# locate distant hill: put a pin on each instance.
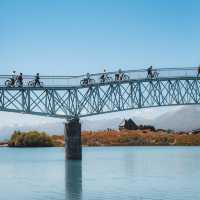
(103, 124)
(182, 118)
(186, 118)
(58, 126)
(50, 128)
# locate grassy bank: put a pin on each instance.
(139, 138)
(107, 138)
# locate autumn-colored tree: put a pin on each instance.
(30, 139)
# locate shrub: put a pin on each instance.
(30, 139)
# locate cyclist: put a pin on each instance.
(13, 77)
(20, 79)
(88, 78)
(88, 75)
(149, 71)
(118, 75)
(37, 79)
(103, 76)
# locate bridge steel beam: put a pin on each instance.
(76, 102)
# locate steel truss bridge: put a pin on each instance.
(63, 96)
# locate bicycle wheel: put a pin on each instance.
(109, 79)
(149, 76)
(82, 82)
(102, 80)
(126, 77)
(8, 83)
(18, 84)
(31, 84)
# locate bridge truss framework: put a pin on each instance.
(72, 102)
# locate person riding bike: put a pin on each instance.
(118, 75)
(88, 76)
(149, 71)
(13, 77)
(20, 79)
(103, 76)
(37, 79)
(87, 80)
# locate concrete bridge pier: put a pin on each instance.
(73, 149)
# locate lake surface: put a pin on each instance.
(107, 173)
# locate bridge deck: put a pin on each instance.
(182, 87)
(74, 81)
(64, 87)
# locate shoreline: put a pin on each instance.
(123, 138)
(3, 144)
(139, 138)
(6, 146)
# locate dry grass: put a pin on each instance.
(138, 138)
(133, 138)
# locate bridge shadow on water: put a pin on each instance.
(73, 180)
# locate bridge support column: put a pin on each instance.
(73, 149)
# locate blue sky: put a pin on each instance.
(74, 37)
(61, 37)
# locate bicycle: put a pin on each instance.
(13, 83)
(105, 78)
(121, 77)
(87, 81)
(34, 83)
(10, 82)
(153, 74)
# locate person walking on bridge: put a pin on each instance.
(149, 72)
(37, 79)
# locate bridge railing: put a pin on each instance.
(132, 74)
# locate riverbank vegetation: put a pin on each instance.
(30, 139)
(139, 138)
(147, 137)
(108, 138)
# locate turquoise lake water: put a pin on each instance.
(107, 173)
